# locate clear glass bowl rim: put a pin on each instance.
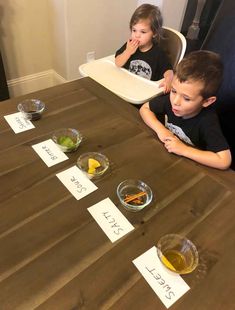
(135, 181)
(62, 131)
(36, 102)
(180, 238)
(93, 155)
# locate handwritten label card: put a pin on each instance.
(76, 182)
(18, 123)
(168, 285)
(110, 219)
(49, 152)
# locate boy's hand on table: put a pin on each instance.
(164, 134)
(174, 145)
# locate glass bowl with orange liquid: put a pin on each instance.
(177, 253)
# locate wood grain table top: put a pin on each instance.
(53, 253)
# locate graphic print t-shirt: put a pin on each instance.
(202, 131)
(150, 64)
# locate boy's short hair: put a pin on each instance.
(153, 14)
(204, 66)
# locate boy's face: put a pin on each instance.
(143, 33)
(186, 99)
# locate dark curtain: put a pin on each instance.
(3, 84)
(221, 39)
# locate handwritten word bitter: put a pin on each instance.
(49, 152)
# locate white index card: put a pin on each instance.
(76, 182)
(110, 219)
(168, 285)
(49, 152)
(18, 122)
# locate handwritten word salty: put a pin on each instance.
(110, 219)
(113, 223)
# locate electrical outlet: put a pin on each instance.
(90, 56)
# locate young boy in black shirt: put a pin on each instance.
(192, 128)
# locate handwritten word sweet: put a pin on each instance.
(168, 285)
(167, 289)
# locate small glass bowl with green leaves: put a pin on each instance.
(67, 139)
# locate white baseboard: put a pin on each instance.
(30, 83)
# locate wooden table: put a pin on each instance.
(53, 253)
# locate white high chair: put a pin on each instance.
(131, 87)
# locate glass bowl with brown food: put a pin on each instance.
(134, 195)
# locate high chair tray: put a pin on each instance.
(128, 86)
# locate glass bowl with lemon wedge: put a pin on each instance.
(67, 139)
(93, 164)
(177, 253)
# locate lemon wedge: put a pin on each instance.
(167, 263)
(93, 164)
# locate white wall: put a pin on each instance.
(99, 26)
(154, 2)
(59, 37)
(47, 40)
(172, 11)
(43, 42)
(25, 37)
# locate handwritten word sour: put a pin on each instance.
(79, 186)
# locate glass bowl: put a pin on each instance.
(177, 253)
(134, 195)
(31, 108)
(67, 139)
(93, 164)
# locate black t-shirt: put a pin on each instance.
(151, 64)
(202, 131)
